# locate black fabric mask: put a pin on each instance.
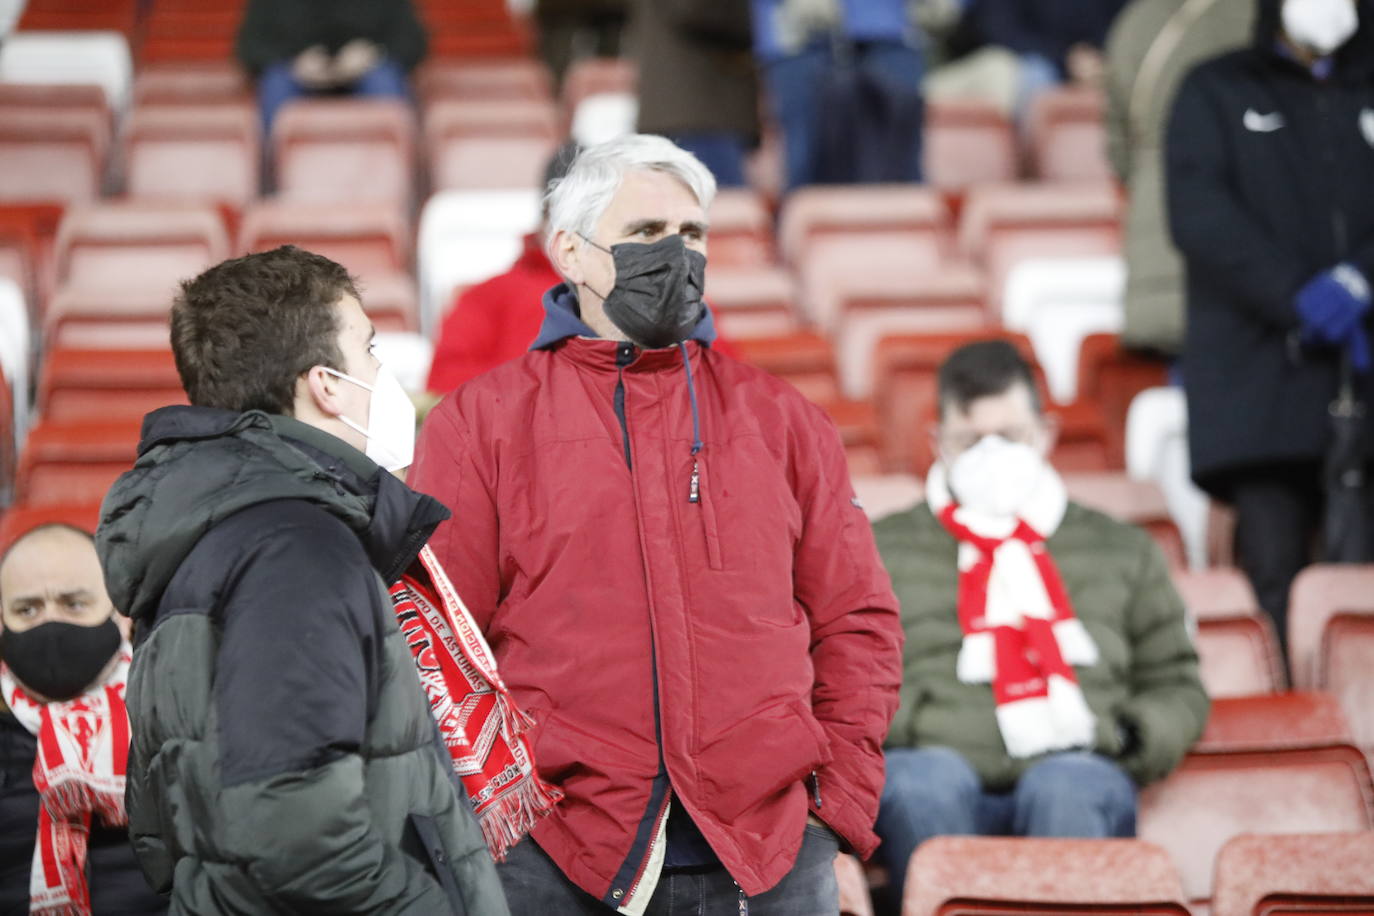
(60, 660)
(656, 300)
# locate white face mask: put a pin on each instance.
(1321, 26)
(390, 429)
(995, 477)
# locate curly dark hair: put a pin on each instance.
(246, 329)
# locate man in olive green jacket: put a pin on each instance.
(1049, 669)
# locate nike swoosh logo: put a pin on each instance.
(1262, 123)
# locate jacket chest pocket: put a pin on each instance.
(739, 505)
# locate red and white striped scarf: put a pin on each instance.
(83, 751)
(1020, 631)
(481, 726)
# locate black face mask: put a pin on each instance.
(656, 300)
(60, 660)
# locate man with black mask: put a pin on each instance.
(64, 845)
(664, 550)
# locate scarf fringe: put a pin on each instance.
(507, 820)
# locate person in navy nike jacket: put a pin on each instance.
(1270, 177)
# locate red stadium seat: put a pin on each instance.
(990, 876)
(967, 142)
(1004, 224)
(857, 423)
(596, 75)
(907, 218)
(1137, 502)
(1068, 135)
(853, 885)
(52, 155)
(344, 150)
(1239, 656)
(391, 301)
(70, 16)
(752, 301)
(28, 233)
(141, 245)
(367, 238)
(489, 143)
(106, 384)
(1216, 593)
(9, 447)
(74, 462)
(1347, 672)
(21, 518)
(54, 97)
(741, 230)
(891, 299)
(804, 359)
(1110, 378)
(1268, 765)
(1305, 873)
(105, 317)
(190, 34)
(517, 78)
(199, 82)
(1320, 593)
(196, 152)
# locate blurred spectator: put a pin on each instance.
(1049, 668)
(1023, 47)
(843, 80)
(497, 320)
(697, 80)
(1270, 157)
(663, 548)
(1153, 43)
(64, 841)
(573, 29)
(311, 47)
(266, 557)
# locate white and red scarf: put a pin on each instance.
(1020, 632)
(83, 751)
(477, 716)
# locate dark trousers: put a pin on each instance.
(535, 886)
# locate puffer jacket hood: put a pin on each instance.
(1354, 59)
(197, 466)
(563, 319)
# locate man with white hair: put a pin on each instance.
(664, 550)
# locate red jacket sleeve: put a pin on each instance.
(856, 632)
(447, 468)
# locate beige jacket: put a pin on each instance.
(1152, 46)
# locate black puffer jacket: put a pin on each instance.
(1270, 182)
(112, 874)
(283, 756)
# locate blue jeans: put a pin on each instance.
(933, 791)
(721, 151)
(276, 87)
(795, 82)
(535, 886)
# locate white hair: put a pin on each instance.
(576, 202)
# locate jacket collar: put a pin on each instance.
(563, 319)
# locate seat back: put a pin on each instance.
(66, 463)
(1257, 778)
(368, 238)
(1239, 656)
(909, 214)
(1319, 593)
(1068, 135)
(505, 79)
(1258, 875)
(195, 152)
(344, 150)
(741, 230)
(752, 301)
(21, 518)
(107, 384)
(190, 82)
(1348, 672)
(804, 359)
(1136, 502)
(985, 875)
(967, 142)
(52, 155)
(489, 143)
(152, 246)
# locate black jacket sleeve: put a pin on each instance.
(296, 682)
(1222, 244)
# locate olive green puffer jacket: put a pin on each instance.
(1144, 690)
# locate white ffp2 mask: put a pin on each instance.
(996, 477)
(390, 428)
(1320, 25)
